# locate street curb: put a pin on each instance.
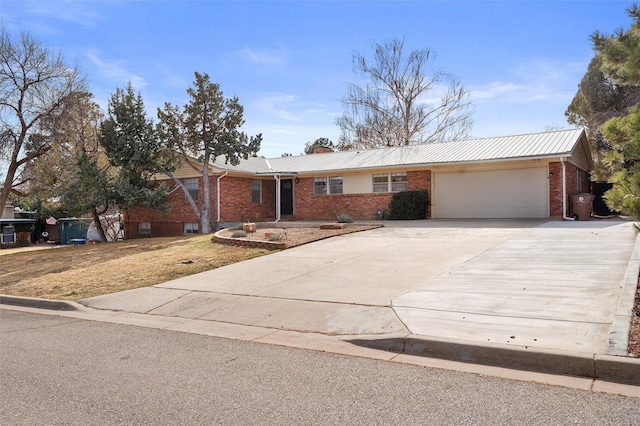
(610, 368)
(621, 325)
(618, 369)
(33, 302)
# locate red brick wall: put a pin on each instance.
(307, 206)
(420, 180)
(555, 190)
(168, 220)
(236, 204)
(158, 229)
(555, 187)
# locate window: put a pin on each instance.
(381, 183)
(144, 228)
(192, 187)
(256, 190)
(578, 180)
(335, 185)
(191, 228)
(398, 182)
(8, 235)
(320, 186)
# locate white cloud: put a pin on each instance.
(537, 80)
(117, 70)
(78, 12)
(290, 138)
(170, 78)
(285, 107)
(287, 123)
(275, 106)
(494, 90)
(263, 57)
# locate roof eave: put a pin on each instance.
(444, 163)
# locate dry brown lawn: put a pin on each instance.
(78, 272)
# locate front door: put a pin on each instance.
(286, 197)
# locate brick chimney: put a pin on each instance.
(323, 150)
(9, 212)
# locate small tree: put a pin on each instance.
(206, 128)
(394, 108)
(35, 87)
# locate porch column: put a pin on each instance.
(278, 197)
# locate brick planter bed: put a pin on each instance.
(291, 236)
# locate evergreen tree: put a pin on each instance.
(134, 154)
(624, 158)
(206, 128)
(621, 62)
(599, 99)
(319, 143)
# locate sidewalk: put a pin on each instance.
(530, 295)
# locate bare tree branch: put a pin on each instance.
(35, 83)
(394, 107)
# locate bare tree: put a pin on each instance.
(403, 102)
(35, 85)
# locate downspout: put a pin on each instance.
(218, 190)
(564, 191)
(278, 196)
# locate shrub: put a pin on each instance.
(409, 205)
(238, 234)
(344, 218)
(274, 237)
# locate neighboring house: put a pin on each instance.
(525, 176)
(16, 228)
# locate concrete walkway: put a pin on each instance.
(550, 296)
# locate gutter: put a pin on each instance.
(218, 190)
(564, 191)
(420, 166)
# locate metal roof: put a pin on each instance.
(536, 145)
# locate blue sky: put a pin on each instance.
(289, 62)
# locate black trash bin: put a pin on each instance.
(581, 206)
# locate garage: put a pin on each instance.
(512, 193)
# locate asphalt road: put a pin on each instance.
(56, 370)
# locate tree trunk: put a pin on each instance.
(96, 220)
(11, 173)
(205, 217)
(6, 189)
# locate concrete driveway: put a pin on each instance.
(530, 284)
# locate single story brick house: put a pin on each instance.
(523, 176)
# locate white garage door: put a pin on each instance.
(517, 193)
